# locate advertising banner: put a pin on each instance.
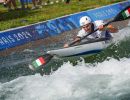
(22, 35)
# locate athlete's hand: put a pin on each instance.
(112, 29)
(101, 28)
(109, 27)
(66, 45)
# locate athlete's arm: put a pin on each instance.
(110, 28)
(76, 40)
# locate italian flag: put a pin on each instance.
(40, 61)
(126, 13)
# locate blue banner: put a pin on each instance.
(20, 36)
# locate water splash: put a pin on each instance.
(108, 80)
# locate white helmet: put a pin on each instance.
(85, 20)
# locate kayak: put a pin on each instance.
(85, 48)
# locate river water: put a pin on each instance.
(103, 76)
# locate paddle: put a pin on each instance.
(119, 17)
(41, 61)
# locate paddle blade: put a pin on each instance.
(123, 15)
(40, 62)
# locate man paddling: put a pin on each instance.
(88, 27)
(41, 61)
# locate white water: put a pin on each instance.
(109, 80)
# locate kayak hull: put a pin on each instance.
(84, 49)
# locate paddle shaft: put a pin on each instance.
(90, 33)
(47, 57)
(119, 17)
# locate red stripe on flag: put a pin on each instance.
(129, 10)
(42, 60)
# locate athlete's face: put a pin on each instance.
(87, 27)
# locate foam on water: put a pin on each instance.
(122, 34)
(108, 80)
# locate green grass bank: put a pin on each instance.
(18, 18)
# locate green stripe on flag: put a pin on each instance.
(35, 64)
(124, 15)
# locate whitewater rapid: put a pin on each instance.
(108, 80)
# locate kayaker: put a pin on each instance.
(87, 26)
